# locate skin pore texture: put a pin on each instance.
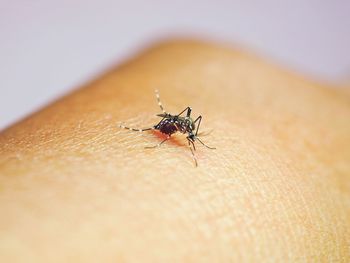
(74, 187)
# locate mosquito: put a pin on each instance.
(170, 124)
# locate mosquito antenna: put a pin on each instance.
(205, 133)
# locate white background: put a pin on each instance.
(49, 47)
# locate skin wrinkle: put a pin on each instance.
(275, 190)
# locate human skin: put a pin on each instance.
(74, 187)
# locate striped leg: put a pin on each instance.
(133, 129)
(159, 144)
(194, 157)
(159, 102)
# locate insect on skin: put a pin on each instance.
(170, 124)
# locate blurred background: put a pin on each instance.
(49, 47)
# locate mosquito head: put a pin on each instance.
(191, 137)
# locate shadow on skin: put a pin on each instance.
(173, 139)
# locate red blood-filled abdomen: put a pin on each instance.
(167, 128)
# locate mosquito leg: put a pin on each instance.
(199, 123)
(159, 102)
(159, 144)
(134, 129)
(212, 148)
(193, 156)
(188, 113)
(199, 119)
